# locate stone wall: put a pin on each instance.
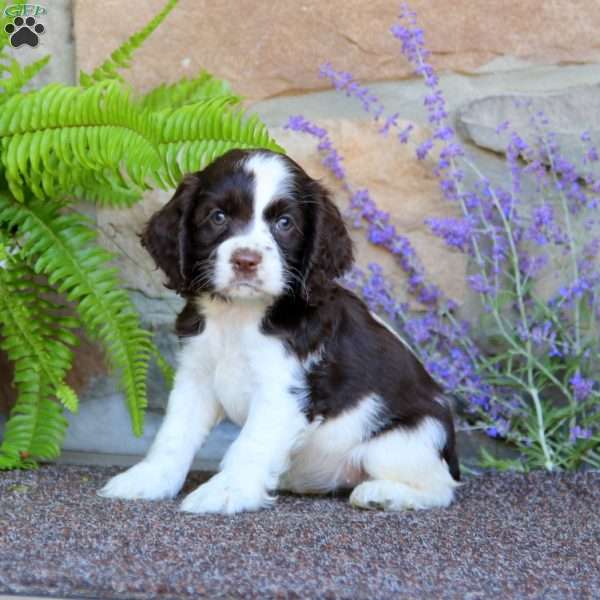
(272, 49)
(487, 51)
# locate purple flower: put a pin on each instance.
(502, 127)
(455, 232)
(391, 121)
(579, 433)
(405, 133)
(543, 221)
(501, 227)
(332, 159)
(581, 386)
(500, 429)
(345, 81)
(531, 266)
(424, 149)
(479, 283)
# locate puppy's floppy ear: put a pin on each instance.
(167, 235)
(330, 252)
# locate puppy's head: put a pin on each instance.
(252, 224)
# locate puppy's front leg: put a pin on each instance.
(256, 459)
(192, 411)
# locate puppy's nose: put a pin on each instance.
(245, 261)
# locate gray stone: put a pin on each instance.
(406, 97)
(569, 112)
(103, 426)
(100, 434)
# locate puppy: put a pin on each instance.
(326, 394)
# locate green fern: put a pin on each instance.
(13, 77)
(101, 143)
(38, 339)
(187, 91)
(53, 139)
(58, 139)
(59, 243)
(192, 136)
(121, 57)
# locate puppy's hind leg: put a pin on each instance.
(404, 469)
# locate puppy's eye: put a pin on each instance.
(218, 217)
(284, 223)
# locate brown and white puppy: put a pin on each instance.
(326, 394)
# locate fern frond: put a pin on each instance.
(56, 139)
(63, 249)
(187, 91)
(114, 192)
(62, 140)
(34, 431)
(193, 136)
(166, 370)
(13, 76)
(121, 57)
(35, 330)
(37, 338)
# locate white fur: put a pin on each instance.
(271, 181)
(191, 413)
(313, 359)
(404, 469)
(233, 369)
(322, 461)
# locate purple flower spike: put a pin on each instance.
(579, 433)
(581, 386)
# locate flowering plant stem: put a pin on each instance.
(522, 371)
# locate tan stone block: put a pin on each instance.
(119, 231)
(267, 49)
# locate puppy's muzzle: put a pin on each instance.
(245, 262)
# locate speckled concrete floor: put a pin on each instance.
(507, 536)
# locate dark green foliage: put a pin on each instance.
(38, 339)
(100, 143)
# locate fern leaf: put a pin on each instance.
(121, 57)
(15, 76)
(63, 140)
(166, 370)
(35, 328)
(115, 193)
(187, 91)
(193, 136)
(34, 431)
(38, 340)
(62, 245)
(58, 139)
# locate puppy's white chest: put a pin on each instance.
(236, 348)
(233, 384)
(243, 364)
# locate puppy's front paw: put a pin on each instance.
(222, 494)
(142, 481)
